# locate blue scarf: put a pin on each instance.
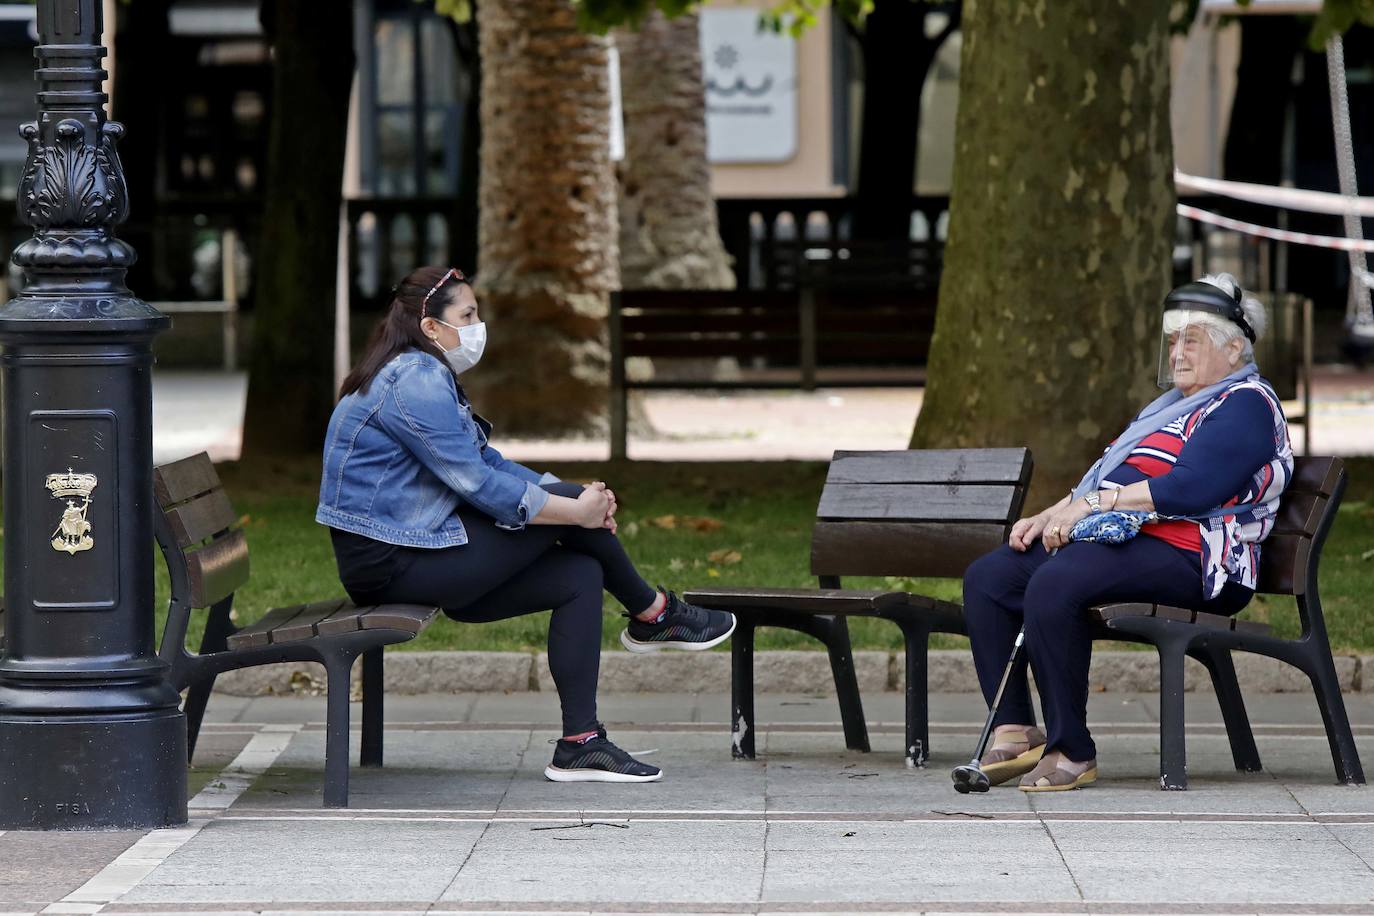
(1159, 413)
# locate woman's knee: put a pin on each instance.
(1058, 591)
(584, 574)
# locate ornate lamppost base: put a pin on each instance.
(93, 772)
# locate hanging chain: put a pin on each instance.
(1360, 278)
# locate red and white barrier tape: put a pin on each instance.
(1280, 235)
(1287, 198)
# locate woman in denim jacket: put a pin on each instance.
(422, 510)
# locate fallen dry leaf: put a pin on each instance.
(703, 523)
(664, 521)
(725, 557)
(713, 573)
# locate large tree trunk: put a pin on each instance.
(897, 55)
(669, 234)
(547, 218)
(1060, 233)
(290, 388)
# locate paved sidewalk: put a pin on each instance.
(461, 820)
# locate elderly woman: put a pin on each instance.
(1216, 439)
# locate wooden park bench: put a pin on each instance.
(207, 560)
(884, 513)
(831, 337)
(1288, 566)
(932, 513)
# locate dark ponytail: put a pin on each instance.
(399, 330)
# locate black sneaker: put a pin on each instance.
(682, 626)
(596, 759)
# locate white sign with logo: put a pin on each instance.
(751, 88)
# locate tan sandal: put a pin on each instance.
(1049, 777)
(1006, 761)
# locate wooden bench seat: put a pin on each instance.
(329, 618)
(1109, 612)
(207, 562)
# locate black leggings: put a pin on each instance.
(500, 574)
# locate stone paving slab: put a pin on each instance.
(249, 860)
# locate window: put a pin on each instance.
(415, 93)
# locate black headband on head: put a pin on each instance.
(1204, 297)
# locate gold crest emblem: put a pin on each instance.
(73, 533)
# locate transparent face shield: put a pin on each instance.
(1189, 357)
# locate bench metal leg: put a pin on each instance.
(917, 640)
(846, 683)
(370, 754)
(743, 725)
(218, 628)
(337, 670)
(1238, 732)
(1173, 754)
(1327, 687)
(197, 696)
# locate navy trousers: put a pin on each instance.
(1049, 596)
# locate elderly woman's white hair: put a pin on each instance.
(1219, 329)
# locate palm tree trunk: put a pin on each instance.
(669, 234)
(1062, 217)
(547, 221)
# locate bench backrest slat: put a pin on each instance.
(1286, 554)
(982, 465)
(916, 502)
(1283, 564)
(202, 518)
(185, 479)
(916, 512)
(197, 511)
(218, 569)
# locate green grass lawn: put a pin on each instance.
(694, 524)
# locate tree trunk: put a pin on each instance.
(669, 234)
(1061, 226)
(897, 55)
(140, 44)
(290, 388)
(547, 218)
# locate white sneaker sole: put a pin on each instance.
(633, 645)
(554, 774)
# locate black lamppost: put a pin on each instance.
(90, 732)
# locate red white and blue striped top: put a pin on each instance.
(1233, 450)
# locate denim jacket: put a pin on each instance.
(401, 459)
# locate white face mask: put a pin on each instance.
(472, 340)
